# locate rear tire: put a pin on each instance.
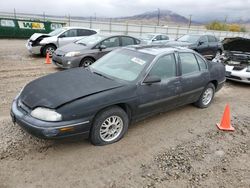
(109, 126)
(87, 61)
(206, 97)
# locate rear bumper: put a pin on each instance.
(49, 130)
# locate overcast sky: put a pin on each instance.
(203, 9)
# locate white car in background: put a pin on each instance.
(237, 59)
(154, 38)
(41, 43)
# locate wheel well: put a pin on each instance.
(89, 58)
(123, 106)
(215, 82)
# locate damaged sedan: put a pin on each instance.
(124, 86)
(237, 59)
(41, 43)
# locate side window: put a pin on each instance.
(70, 33)
(202, 63)
(203, 39)
(158, 37)
(165, 67)
(85, 32)
(211, 38)
(164, 37)
(111, 42)
(127, 41)
(188, 63)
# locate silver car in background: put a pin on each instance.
(41, 43)
(154, 38)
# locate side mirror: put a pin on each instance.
(101, 47)
(152, 79)
(62, 36)
(154, 39)
(201, 42)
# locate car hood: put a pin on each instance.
(236, 44)
(37, 35)
(71, 47)
(59, 88)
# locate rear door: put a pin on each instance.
(67, 37)
(163, 95)
(126, 41)
(194, 77)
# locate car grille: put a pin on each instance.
(57, 61)
(21, 106)
(235, 77)
(238, 68)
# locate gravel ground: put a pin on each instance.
(180, 148)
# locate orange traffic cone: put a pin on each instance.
(225, 124)
(47, 59)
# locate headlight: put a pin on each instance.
(72, 54)
(248, 68)
(46, 114)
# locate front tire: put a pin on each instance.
(109, 126)
(206, 97)
(50, 49)
(85, 62)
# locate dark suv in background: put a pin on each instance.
(207, 45)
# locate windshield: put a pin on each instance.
(56, 32)
(189, 38)
(123, 64)
(90, 40)
(147, 37)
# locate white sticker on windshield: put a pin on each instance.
(139, 61)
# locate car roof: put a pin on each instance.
(75, 27)
(158, 49)
(154, 34)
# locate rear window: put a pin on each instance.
(211, 39)
(85, 32)
(201, 62)
(188, 63)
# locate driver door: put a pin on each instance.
(163, 95)
(109, 44)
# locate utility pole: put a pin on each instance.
(95, 16)
(14, 13)
(225, 21)
(158, 22)
(190, 21)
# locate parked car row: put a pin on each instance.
(96, 46)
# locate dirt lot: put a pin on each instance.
(180, 148)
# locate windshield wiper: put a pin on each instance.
(101, 75)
